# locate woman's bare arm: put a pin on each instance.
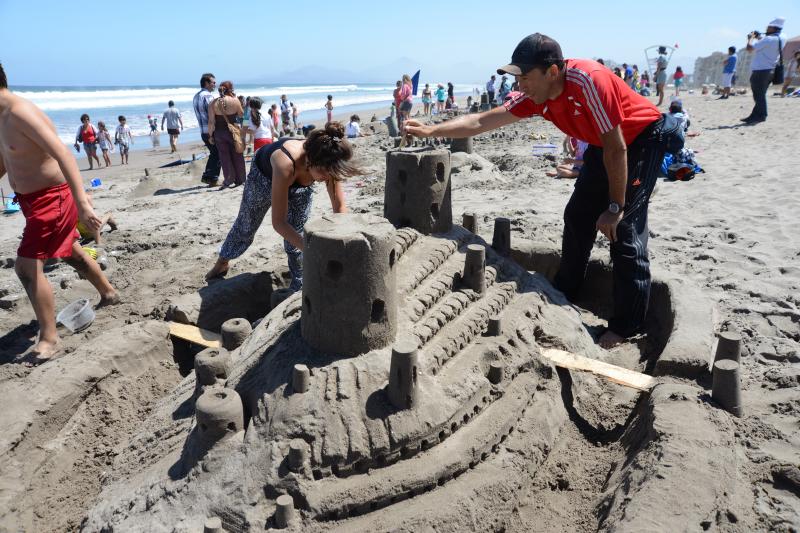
(336, 193)
(282, 179)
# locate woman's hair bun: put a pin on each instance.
(335, 129)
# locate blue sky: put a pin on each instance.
(139, 42)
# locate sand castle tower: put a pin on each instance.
(403, 389)
(349, 295)
(418, 190)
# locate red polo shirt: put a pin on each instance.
(594, 101)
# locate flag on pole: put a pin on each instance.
(414, 83)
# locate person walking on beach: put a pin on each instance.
(274, 114)
(200, 102)
(286, 115)
(282, 177)
(627, 138)
(295, 116)
(406, 101)
(728, 70)
(677, 77)
(661, 73)
(767, 50)
(260, 126)
(222, 116)
(441, 97)
(123, 138)
(105, 142)
(426, 100)
(490, 88)
(329, 108)
(505, 88)
(87, 134)
(174, 125)
(49, 189)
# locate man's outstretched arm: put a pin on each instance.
(465, 126)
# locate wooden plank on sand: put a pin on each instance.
(195, 335)
(617, 374)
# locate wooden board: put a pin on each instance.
(195, 335)
(617, 374)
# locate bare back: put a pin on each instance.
(28, 166)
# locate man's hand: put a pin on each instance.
(417, 129)
(607, 224)
(87, 215)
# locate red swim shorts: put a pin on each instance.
(50, 220)
(258, 143)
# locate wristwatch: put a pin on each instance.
(614, 208)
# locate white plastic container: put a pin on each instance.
(77, 316)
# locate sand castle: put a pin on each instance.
(413, 352)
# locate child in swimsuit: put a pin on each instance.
(106, 144)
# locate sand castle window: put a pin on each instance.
(378, 307)
(440, 171)
(435, 210)
(307, 304)
(232, 426)
(335, 269)
(391, 258)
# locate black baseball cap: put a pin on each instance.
(535, 50)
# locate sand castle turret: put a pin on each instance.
(461, 145)
(474, 275)
(403, 388)
(219, 414)
(211, 366)
(417, 193)
(349, 294)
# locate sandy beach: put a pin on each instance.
(70, 427)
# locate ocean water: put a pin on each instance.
(65, 105)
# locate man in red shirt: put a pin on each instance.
(627, 138)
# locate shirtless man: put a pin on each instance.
(42, 171)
